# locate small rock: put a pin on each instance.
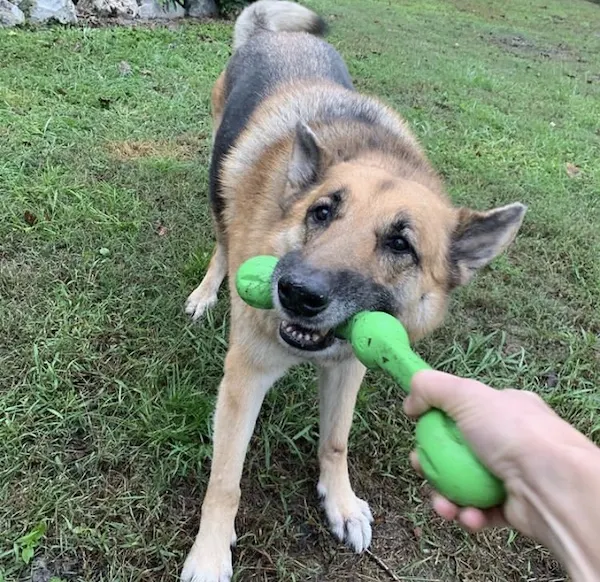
(124, 8)
(125, 68)
(38, 11)
(151, 10)
(202, 9)
(551, 379)
(10, 15)
(572, 170)
(40, 571)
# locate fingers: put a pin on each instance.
(444, 508)
(471, 518)
(414, 461)
(431, 389)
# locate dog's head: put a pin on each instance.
(359, 238)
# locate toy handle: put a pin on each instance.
(446, 459)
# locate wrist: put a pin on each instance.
(560, 485)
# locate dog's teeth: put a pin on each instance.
(300, 334)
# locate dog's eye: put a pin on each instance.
(321, 213)
(398, 244)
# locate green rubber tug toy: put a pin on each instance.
(380, 341)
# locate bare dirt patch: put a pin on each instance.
(183, 148)
(524, 47)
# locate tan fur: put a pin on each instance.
(278, 116)
(264, 215)
(205, 295)
(258, 188)
(218, 102)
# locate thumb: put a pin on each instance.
(432, 389)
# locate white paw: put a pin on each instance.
(199, 301)
(207, 565)
(349, 518)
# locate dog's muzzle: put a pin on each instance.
(314, 301)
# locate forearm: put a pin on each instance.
(563, 489)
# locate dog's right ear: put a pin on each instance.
(307, 160)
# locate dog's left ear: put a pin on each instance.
(307, 160)
(480, 237)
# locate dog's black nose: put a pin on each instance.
(303, 298)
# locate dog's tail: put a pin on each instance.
(275, 16)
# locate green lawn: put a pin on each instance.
(106, 390)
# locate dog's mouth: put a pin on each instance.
(303, 338)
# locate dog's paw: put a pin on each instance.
(205, 564)
(349, 518)
(199, 301)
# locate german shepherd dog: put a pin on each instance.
(334, 184)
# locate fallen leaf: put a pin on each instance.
(146, 72)
(160, 228)
(418, 532)
(572, 170)
(104, 251)
(30, 218)
(125, 68)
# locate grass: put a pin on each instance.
(106, 391)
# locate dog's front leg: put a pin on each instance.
(241, 394)
(349, 517)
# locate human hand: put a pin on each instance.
(506, 430)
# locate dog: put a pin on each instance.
(334, 184)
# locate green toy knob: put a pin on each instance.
(253, 281)
(380, 341)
